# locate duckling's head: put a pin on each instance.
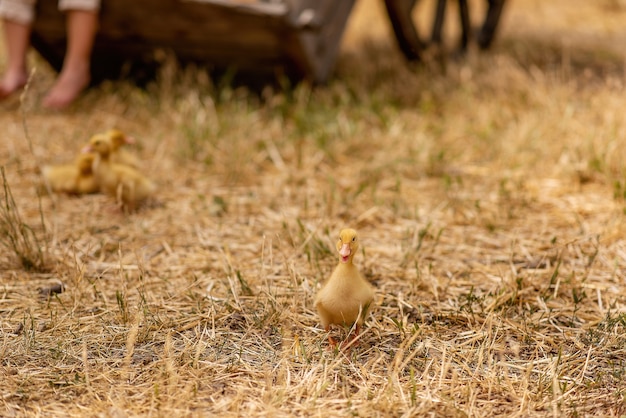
(348, 244)
(118, 138)
(84, 162)
(100, 144)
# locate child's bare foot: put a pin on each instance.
(67, 88)
(12, 82)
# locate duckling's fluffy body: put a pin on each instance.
(118, 154)
(74, 178)
(346, 297)
(125, 183)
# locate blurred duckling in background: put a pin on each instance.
(76, 178)
(346, 297)
(123, 182)
(118, 154)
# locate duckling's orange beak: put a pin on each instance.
(345, 252)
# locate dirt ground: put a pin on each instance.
(489, 192)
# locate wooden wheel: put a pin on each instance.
(488, 29)
(413, 45)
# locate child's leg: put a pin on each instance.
(75, 74)
(17, 17)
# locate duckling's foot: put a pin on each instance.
(349, 344)
(353, 341)
(332, 344)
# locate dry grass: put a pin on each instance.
(490, 198)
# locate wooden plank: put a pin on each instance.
(301, 35)
(315, 51)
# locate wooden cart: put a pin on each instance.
(300, 38)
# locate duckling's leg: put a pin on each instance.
(131, 198)
(331, 340)
(350, 342)
(119, 193)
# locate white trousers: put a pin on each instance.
(23, 11)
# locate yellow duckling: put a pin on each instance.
(126, 184)
(118, 154)
(346, 297)
(74, 178)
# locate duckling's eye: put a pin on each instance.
(353, 239)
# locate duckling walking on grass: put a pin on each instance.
(126, 184)
(346, 297)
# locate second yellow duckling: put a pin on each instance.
(346, 297)
(118, 154)
(123, 182)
